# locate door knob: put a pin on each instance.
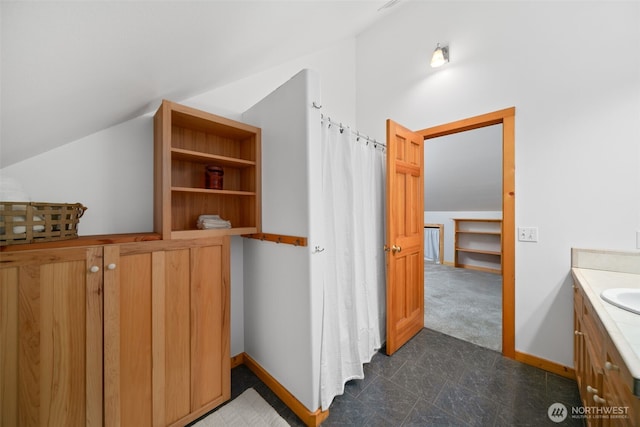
(395, 249)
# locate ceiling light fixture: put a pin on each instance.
(440, 56)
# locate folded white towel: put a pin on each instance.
(212, 222)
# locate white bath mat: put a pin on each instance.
(247, 410)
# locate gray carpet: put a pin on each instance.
(463, 303)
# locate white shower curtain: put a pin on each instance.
(353, 323)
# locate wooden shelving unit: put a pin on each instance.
(186, 140)
(478, 244)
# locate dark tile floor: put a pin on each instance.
(438, 380)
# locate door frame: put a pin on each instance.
(505, 117)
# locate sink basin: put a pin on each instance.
(625, 298)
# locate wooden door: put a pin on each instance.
(51, 338)
(404, 242)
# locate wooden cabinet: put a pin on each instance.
(187, 140)
(478, 244)
(604, 382)
(167, 350)
(618, 384)
(51, 338)
(588, 353)
(153, 316)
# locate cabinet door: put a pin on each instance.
(210, 332)
(580, 356)
(166, 331)
(51, 338)
(127, 338)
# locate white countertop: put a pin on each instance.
(622, 326)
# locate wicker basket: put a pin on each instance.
(30, 222)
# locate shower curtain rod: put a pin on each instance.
(342, 128)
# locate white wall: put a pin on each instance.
(577, 133)
(335, 65)
(110, 172)
(113, 168)
(282, 295)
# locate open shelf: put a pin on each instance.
(478, 244)
(209, 191)
(193, 234)
(479, 251)
(205, 159)
(496, 233)
(186, 141)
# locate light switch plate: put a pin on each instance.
(528, 234)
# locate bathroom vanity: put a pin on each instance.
(606, 338)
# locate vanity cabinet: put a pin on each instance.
(51, 338)
(153, 316)
(618, 384)
(604, 382)
(588, 354)
(186, 142)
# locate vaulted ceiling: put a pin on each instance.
(72, 68)
(463, 171)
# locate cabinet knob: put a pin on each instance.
(111, 266)
(611, 367)
(598, 399)
(94, 269)
(591, 390)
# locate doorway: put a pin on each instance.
(507, 119)
(463, 193)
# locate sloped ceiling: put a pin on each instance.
(69, 69)
(463, 171)
(72, 68)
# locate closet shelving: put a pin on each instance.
(478, 244)
(186, 140)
